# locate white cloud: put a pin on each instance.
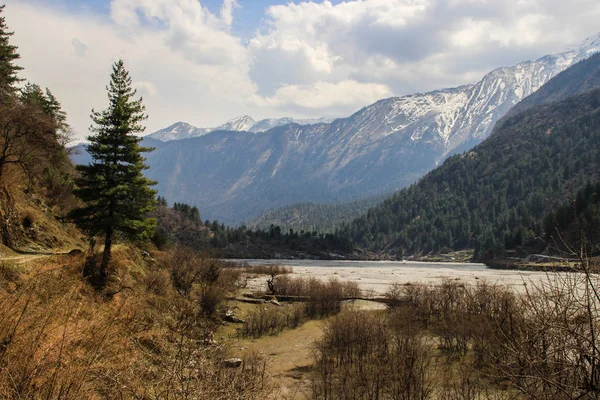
(411, 44)
(307, 59)
(324, 95)
(180, 76)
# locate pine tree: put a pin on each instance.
(8, 56)
(118, 197)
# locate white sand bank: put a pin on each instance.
(378, 276)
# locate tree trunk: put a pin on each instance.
(106, 254)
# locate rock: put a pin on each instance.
(250, 301)
(233, 363)
(231, 317)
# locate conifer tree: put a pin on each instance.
(117, 196)
(8, 56)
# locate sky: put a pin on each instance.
(207, 61)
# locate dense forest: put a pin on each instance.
(180, 225)
(309, 217)
(577, 221)
(496, 196)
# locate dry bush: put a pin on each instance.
(549, 346)
(158, 282)
(367, 356)
(211, 278)
(322, 298)
(288, 286)
(9, 274)
(270, 320)
(61, 339)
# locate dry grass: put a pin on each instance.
(141, 338)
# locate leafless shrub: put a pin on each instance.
(270, 320)
(9, 273)
(158, 281)
(366, 356)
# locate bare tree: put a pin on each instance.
(27, 134)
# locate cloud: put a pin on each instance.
(79, 47)
(411, 45)
(167, 49)
(305, 59)
(323, 96)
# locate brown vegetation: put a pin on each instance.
(468, 342)
(140, 338)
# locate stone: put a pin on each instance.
(231, 317)
(233, 363)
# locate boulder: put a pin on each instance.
(233, 363)
(231, 317)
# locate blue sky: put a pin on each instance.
(207, 61)
(248, 16)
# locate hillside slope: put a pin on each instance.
(309, 217)
(483, 198)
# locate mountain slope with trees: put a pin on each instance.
(309, 217)
(496, 196)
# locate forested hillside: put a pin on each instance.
(577, 222)
(309, 217)
(496, 195)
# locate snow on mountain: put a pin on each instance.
(266, 124)
(179, 130)
(381, 148)
(182, 130)
(238, 124)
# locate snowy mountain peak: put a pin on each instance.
(179, 130)
(589, 45)
(243, 123)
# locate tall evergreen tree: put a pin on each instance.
(8, 56)
(117, 196)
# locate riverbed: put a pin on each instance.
(377, 276)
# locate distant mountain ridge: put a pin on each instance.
(233, 176)
(183, 130)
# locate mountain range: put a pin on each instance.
(234, 175)
(183, 130)
(496, 196)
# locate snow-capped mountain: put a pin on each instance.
(182, 130)
(233, 176)
(179, 130)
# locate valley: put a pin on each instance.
(442, 245)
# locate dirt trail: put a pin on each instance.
(25, 258)
(290, 358)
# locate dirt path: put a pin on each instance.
(290, 358)
(24, 258)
